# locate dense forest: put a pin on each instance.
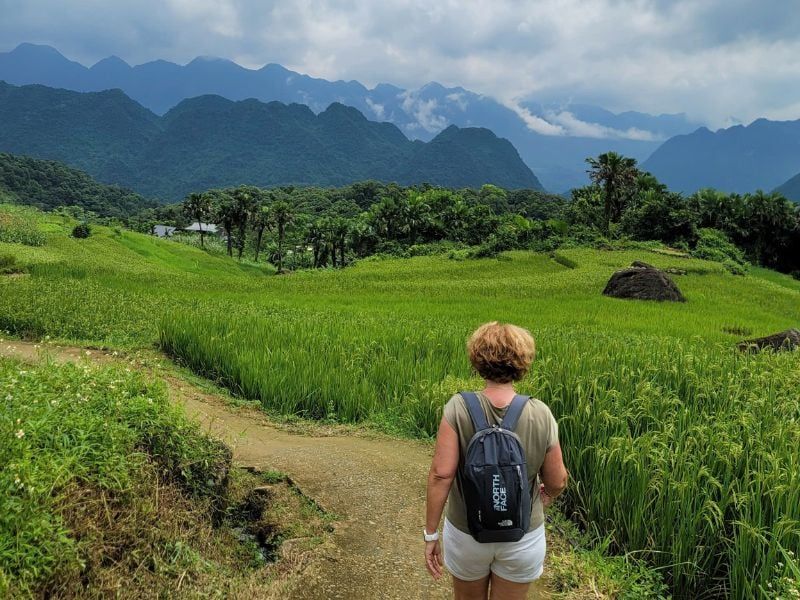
(49, 184)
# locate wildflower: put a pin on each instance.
(17, 481)
(88, 353)
(9, 397)
(20, 434)
(19, 421)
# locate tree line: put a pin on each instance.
(331, 227)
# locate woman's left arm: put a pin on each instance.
(440, 479)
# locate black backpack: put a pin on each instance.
(494, 478)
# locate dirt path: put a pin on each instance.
(375, 486)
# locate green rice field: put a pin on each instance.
(682, 450)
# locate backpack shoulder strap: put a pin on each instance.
(514, 412)
(475, 410)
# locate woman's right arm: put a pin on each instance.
(553, 474)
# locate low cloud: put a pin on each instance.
(377, 109)
(424, 112)
(574, 126)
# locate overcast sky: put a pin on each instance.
(716, 60)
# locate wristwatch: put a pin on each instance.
(430, 537)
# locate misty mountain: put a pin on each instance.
(583, 130)
(740, 159)
(210, 141)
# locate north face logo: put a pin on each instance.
(499, 496)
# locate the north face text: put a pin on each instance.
(499, 497)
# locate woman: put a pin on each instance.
(502, 355)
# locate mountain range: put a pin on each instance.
(762, 155)
(553, 140)
(210, 141)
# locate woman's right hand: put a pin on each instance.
(433, 558)
(547, 499)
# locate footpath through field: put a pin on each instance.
(375, 486)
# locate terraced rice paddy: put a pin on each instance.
(682, 450)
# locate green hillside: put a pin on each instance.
(209, 142)
(686, 445)
(48, 184)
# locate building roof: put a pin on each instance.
(207, 227)
(163, 230)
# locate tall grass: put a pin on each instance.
(685, 453)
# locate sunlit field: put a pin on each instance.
(682, 450)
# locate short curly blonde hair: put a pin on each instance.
(501, 352)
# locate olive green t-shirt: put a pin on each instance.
(537, 430)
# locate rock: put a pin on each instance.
(638, 264)
(779, 342)
(643, 282)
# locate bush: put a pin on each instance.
(9, 265)
(713, 244)
(81, 231)
(73, 427)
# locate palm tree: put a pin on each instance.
(315, 237)
(281, 216)
(617, 175)
(198, 207)
(340, 229)
(418, 217)
(225, 214)
(245, 198)
(260, 221)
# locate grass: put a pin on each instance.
(683, 451)
(107, 490)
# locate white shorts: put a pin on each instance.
(469, 560)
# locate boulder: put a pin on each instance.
(779, 342)
(640, 264)
(643, 282)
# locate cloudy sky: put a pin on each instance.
(720, 61)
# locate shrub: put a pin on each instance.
(713, 244)
(9, 265)
(81, 231)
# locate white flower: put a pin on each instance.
(20, 434)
